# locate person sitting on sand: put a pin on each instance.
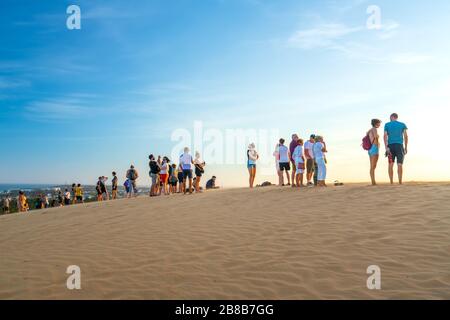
(374, 151)
(132, 175)
(186, 162)
(319, 150)
(252, 157)
(309, 155)
(199, 165)
(285, 155)
(299, 162)
(395, 135)
(211, 183)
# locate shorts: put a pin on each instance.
(198, 173)
(251, 166)
(374, 150)
(180, 177)
(164, 177)
(154, 177)
(79, 198)
(173, 181)
(187, 173)
(285, 166)
(300, 167)
(309, 165)
(397, 152)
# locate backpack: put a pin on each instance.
(366, 143)
(132, 174)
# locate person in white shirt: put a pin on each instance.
(164, 175)
(299, 161)
(319, 150)
(186, 163)
(252, 156)
(285, 156)
(309, 155)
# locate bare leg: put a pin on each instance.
(373, 166)
(400, 173)
(391, 172)
(293, 175)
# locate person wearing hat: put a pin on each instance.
(252, 156)
(309, 155)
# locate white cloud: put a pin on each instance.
(322, 36)
(56, 109)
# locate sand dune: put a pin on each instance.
(266, 243)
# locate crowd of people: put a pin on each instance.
(299, 157)
(293, 162)
(310, 156)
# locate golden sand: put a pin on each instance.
(266, 243)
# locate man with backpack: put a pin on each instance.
(132, 176)
(154, 174)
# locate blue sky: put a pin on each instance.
(76, 104)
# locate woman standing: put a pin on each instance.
(252, 156)
(199, 170)
(22, 202)
(374, 151)
(319, 150)
(164, 174)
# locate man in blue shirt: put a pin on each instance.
(396, 143)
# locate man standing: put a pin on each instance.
(186, 163)
(292, 146)
(114, 185)
(6, 208)
(396, 143)
(285, 157)
(309, 155)
(132, 176)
